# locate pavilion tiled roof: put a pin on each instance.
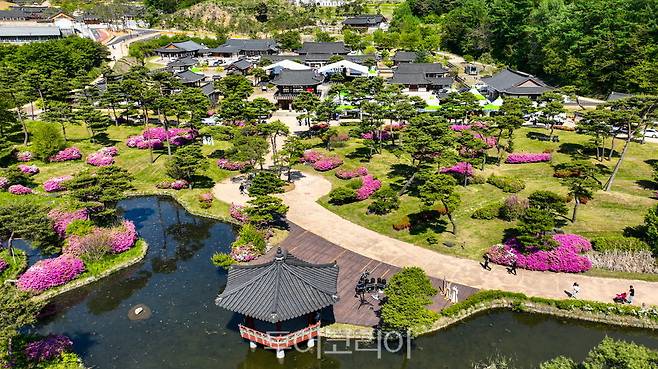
(332, 48)
(188, 76)
(297, 78)
(516, 83)
(364, 20)
(282, 289)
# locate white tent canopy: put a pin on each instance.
(498, 101)
(286, 64)
(351, 67)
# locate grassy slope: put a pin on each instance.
(607, 213)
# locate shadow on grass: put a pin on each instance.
(427, 220)
(203, 182)
(582, 152)
(360, 153)
(647, 184)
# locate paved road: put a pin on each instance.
(308, 214)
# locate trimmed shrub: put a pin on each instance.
(619, 242)
(79, 227)
(222, 260)
(342, 195)
(487, 212)
(624, 261)
(507, 184)
(252, 237)
(513, 208)
(47, 348)
(384, 201)
(402, 224)
(47, 140)
(49, 273)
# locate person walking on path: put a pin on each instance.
(575, 289)
(512, 268)
(485, 265)
(241, 188)
(631, 295)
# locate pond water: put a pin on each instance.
(186, 330)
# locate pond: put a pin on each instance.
(186, 330)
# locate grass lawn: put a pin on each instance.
(17, 264)
(607, 213)
(138, 164)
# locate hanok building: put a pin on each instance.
(422, 77)
(235, 48)
(191, 79)
(511, 83)
(240, 67)
(317, 54)
(283, 295)
(182, 64)
(177, 50)
(291, 83)
(365, 23)
(401, 57)
(25, 34)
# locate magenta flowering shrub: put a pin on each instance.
(461, 168)
(24, 156)
(123, 237)
(56, 184)
(460, 127)
(380, 135)
(237, 213)
(47, 348)
(3, 183)
(490, 141)
(179, 184)
(19, 190)
(243, 253)
(327, 163)
(29, 169)
(566, 257)
(61, 219)
(368, 186)
(109, 151)
(157, 136)
(50, 273)
(69, 153)
(98, 159)
(311, 156)
(231, 165)
(3, 265)
(521, 158)
(349, 174)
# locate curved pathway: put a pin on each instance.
(308, 214)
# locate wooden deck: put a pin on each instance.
(315, 249)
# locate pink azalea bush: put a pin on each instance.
(99, 159)
(28, 169)
(117, 239)
(123, 237)
(349, 174)
(179, 184)
(368, 186)
(231, 165)
(3, 182)
(490, 141)
(69, 153)
(327, 163)
(521, 158)
(237, 213)
(311, 156)
(243, 253)
(47, 348)
(461, 168)
(109, 151)
(3, 265)
(24, 156)
(61, 219)
(157, 136)
(19, 190)
(49, 273)
(56, 184)
(376, 136)
(460, 127)
(566, 257)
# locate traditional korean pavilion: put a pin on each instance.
(284, 290)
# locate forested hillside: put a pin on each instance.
(597, 45)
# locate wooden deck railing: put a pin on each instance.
(280, 341)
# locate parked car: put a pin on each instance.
(651, 133)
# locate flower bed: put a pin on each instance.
(29, 169)
(382, 135)
(19, 190)
(179, 184)
(231, 165)
(460, 127)
(3, 183)
(206, 200)
(566, 257)
(109, 151)
(243, 253)
(24, 156)
(327, 163)
(368, 186)
(50, 273)
(47, 348)
(61, 219)
(56, 184)
(237, 213)
(69, 153)
(156, 137)
(123, 237)
(311, 156)
(100, 159)
(3, 265)
(522, 158)
(349, 174)
(461, 168)
(140, 142)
